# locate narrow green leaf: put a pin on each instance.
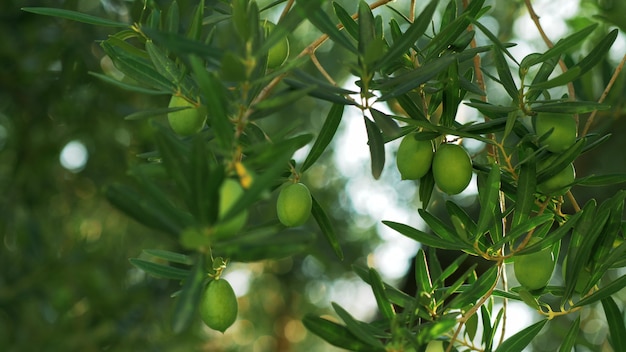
(356, 327)
(145, 114)
(186, 306)
(253, 247)
(385, 307)
(195, 28)
(571, 107)
(604, 292)
(494, 111)
(161, 271)
(387, 124)
(520, 340)
(184, 46)
(144, 211)
(346, 20)
(563, 45)
(477, 289)
(216, 101)
(138, 69)
(331, 123)
(128, 87)
(615, 320)
(174, 156)
(166, 67)
(172, 18)
(523, 229)
(327, 228)
(170, 256)
(366, 30)
(570, 339)
(504, 73)
(488, 196)
(74, 16)
(410, 36)
(603, 180)
(546, 69)
(423, 237)
(320, 19)
(427, 185)
(526, 186)
(598, 52)
(336, 335)
(205, 183)
(422, 276)
(439, 227)
(559, 80)
(321, 92)
(376, 146)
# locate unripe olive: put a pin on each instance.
(434, 346)
(230, 192)
(294, 204)
(279, 52)
(452, 168)
(188, 121)
(558, 184)
(563, 129)
(414, 157)
(218, 305)
(534, 270)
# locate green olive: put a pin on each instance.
(414, 157)
(558, 184)
(563, 129)
(534, 270)
(230, 192)
(452, 168)
(188, 121)
(279, 53)
(294, 205)
(434, 346)
(218, 305)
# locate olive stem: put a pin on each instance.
(616, 73)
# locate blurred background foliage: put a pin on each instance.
(65, 280)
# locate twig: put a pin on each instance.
(287, 8)
(618, 70)
(535, 18)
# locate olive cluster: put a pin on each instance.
(451, 164)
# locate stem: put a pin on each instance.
(618, 70)
(535, 18)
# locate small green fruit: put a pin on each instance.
(558, 184)
(279, 52)
(188, 121)
(534, 270)
(434, 346)
(452, 168)
(294, 205)
(218, 305)
(414, 157)
(563, 129)
(230, 192)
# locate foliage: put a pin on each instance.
(424, 64)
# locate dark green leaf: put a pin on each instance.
(377, 147)
(604, 292)
(325, 136)
(563, 45)
(559, 80)
(127, 86)
(504, 72)
(615, 320)
(603, 180)
(356, 327)
(186, 306)
(337, 335)
(145, 114)
(387, 124)
(346, 20)
(268, 244)
(520, 340)
(526, 186)
(571, 107)
(164, 65)
(320, 19)
(570, 339)
(424, 238)
(477, 289)
(172, 17)
(216, 101)
(169, 256)
(183, 46)
(598, 52)
(410, 37)
(74, 16)
(161, 271)
(422, 276)
(327, 228)
(378, 287)
(488, 197)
